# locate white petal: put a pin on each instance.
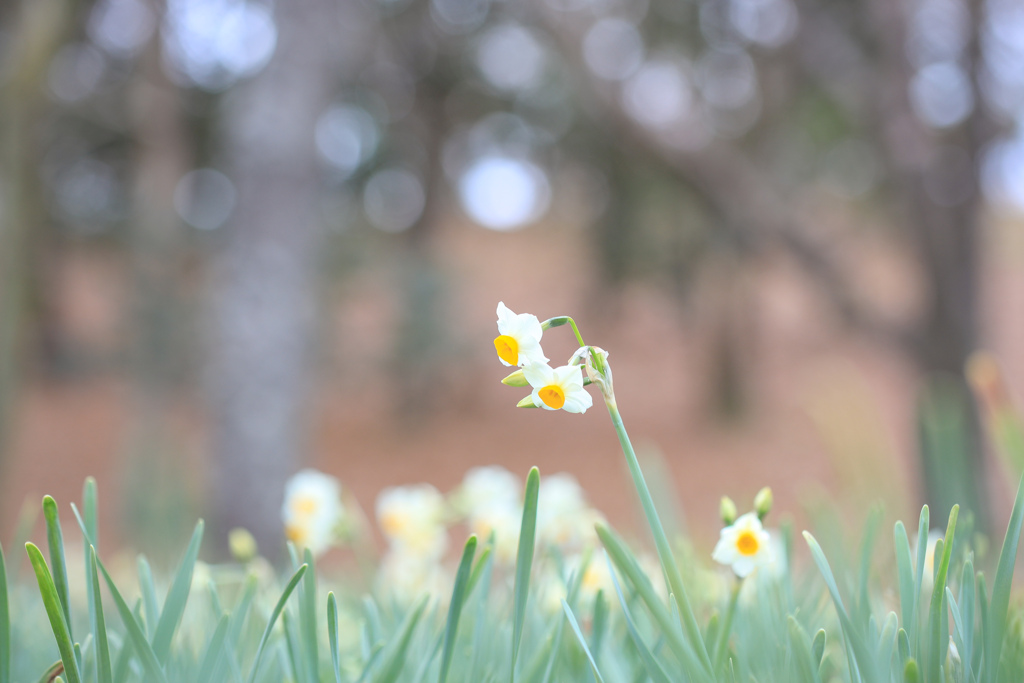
(531, 353)
(725, 550)
(505, 317)
(539, 375)
(577, 401)
(743, 566)
(569, 377)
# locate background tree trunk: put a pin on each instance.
(264, 276)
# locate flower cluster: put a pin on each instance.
(518, 344)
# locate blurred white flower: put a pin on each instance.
(407, 578)
(504, 520)
(518, 340)
(412, 519)
(484, 486)
(555, 388)
(563, 517)
(312, 510)
(744, 544)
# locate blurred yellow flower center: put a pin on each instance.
(393, 523)
(296, 534)
(553, 395)
(304, 505)
(507, 348)
(747, 543)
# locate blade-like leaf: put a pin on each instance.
(55, 541)
(147, 588)
(937, 642)
(999, 603)
(455, 608)
(905, 573)
(213, 650)
(5, 624)
(582, 641)
(177, 597)
(104, 674)
(653, 668)
(332, 634)
(399, 645)
(524, 563)
(139, 642)
(51, 601)
(296, 577)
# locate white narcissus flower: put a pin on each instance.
(412, 518)
(563, 517)
(504, 519)
(312, 510)
(487, 486)
(518, 340)
(555, 388)
(744, 544)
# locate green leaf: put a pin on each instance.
(307, 617)
(399, 645)
(582, 641)
(147, 588)
(923, 526)
(5, 624)
(651, 665)
(455, 608)
(967, 617)
(865, 662)
(805, 659)
(55, 541)
(863, 606)
(296, 577)
(524, 562)
(177, 597)
(332, 634)
(104, 674)
(905, 573)
(51, 601)
(818, 647)
(213, 650)
(138, 638)
(935, 631)
(628, 567)
(89, 503)
(999, 604)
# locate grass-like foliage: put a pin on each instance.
(912, 614)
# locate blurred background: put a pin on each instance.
(240, 237)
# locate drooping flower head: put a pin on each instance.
(518, 340)
(312, 510)
(558, 388)
(744, 544)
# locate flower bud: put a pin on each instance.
(242, 544)
(516, 379)
(554, 322)
(527, 403)
(727, 510)
(763, 502)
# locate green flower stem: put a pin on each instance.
(560, 320)
(722, 646)
(668, 561)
